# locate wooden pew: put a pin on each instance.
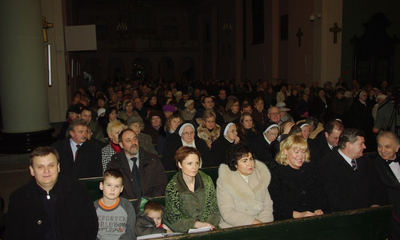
(370, 223)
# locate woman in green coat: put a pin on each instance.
(190, 196)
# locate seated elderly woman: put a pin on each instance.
(208, 131)
(185, 135)
(295, 187)
(242, 189)
(190, 200)
(136, 124)
(227, 139)
(114, 128)
(266, 145)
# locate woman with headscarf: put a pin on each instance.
(185, 135)
(266, 145)
(227, 139)
(360, 117)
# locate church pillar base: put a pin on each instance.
(14, 143)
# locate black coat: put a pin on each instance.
(219, 148)
(87, 164)
(153, 179)
(264, 151)
(295, 190)
(388, 178)
(319, 148)
(75, 215)
(174, 142)
(347, 189)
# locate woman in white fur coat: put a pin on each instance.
(242, 189)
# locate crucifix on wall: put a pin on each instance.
(299, 34)
(46, 25)
(335, 29)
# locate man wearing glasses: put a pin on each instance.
(325, 143)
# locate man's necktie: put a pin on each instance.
(136, 177)
(354, 164)
(77, 150)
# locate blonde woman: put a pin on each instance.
(295, 187)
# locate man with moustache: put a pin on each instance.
(79, 157)
(50, 206)
(143, 173)
(349, 179)
(387, 163)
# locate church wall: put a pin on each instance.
(300, 61)
(258, 62)
(357, 12)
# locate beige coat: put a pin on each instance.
(240, 203)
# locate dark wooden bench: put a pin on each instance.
(363, 224)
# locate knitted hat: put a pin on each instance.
(188, 102)
(282, 107)
(168, 108)
(101, 111)
(156, 113)
(134, 119)
(75, 109)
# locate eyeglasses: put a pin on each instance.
(210, 121)
(274, 114)
(334, 138)
(188, 133)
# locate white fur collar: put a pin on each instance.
(233, 183)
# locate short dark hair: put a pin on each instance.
(153, 206)
(349, 135)
(114, 173)
(122, 132)
(235, 153)
(332, 124)
(203, 99)
(183, 152)
(42, 152)
(77, 122)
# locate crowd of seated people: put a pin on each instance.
(299, 155)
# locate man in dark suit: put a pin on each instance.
(143, 172)
(325, 143)
(387, 163)
(349, 179)
(50, 206)
(79, 157)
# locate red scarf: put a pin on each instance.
(115, 147)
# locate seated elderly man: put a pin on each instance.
(350, 179)
(51, 206)
(387, 163)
